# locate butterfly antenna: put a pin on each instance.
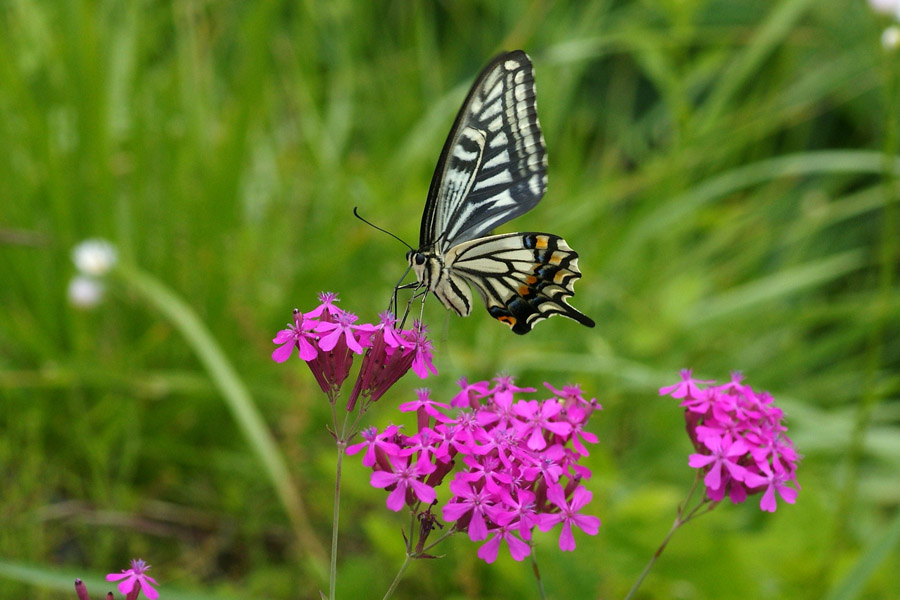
(356, 214)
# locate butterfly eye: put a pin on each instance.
(420, 258)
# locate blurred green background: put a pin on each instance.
(725, 169)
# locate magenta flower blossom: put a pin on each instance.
(569, 516)
(424, 403)
(328, 338)
(538, 417)
(687, 387)
(469, 395)
(375, 444)
(343, 325)
(422, 364)
(725, 453)
(742, 448)
(387, 359)
(505, 533)
(512, 464)
(134, 580)
(403, 477)
(470, 502)
(773, 482)
(300, 335)
(326, 307)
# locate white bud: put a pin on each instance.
(94, 257)
(85, 292)
(890, 38)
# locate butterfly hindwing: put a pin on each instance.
(523, 278)
(493, 167)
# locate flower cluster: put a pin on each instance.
(327, 338)
(740, 440)
(519, 463)
(132, 582)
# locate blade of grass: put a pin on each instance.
(778, 26)
(851, 586)
(238, 400)
(780, 284)
(794, 165)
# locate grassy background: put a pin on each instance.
(725, 169)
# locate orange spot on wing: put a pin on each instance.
(524, 290)
(541, 242)
(508, 320)
(555, 258)
(531, 279)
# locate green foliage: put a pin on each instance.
(726, 170)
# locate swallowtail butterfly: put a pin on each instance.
(493, 168)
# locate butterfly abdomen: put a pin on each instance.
(451, 289)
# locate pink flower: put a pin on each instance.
(328, 338)
(327, 307)
(387, 360)
(403, 477)
(422, 363)
(520, 509)
(374, 443)
(740, 440)
(297, 336)
(517, 548)
(515, 463)
(468, 397)
(569, 515)
(687, 387)
(472, 502)
(424, 403)
(773, 482)
(135, 579)
(725, 452)
(538, 417)
(343, 325)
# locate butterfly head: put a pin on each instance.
(419, 262)
(415, 258)
(428, 267)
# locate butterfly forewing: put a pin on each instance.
(493, 166)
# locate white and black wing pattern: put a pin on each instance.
(492, 169)
(523, 278)
(493, 166)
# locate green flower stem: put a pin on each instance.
(237, 398)
(443, 537)
(398, 577)
(680, 519)
(332, 569)
(341, 442)
(537, 573)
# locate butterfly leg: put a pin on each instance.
(420, 292)
(392, 305)
(424, 295)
